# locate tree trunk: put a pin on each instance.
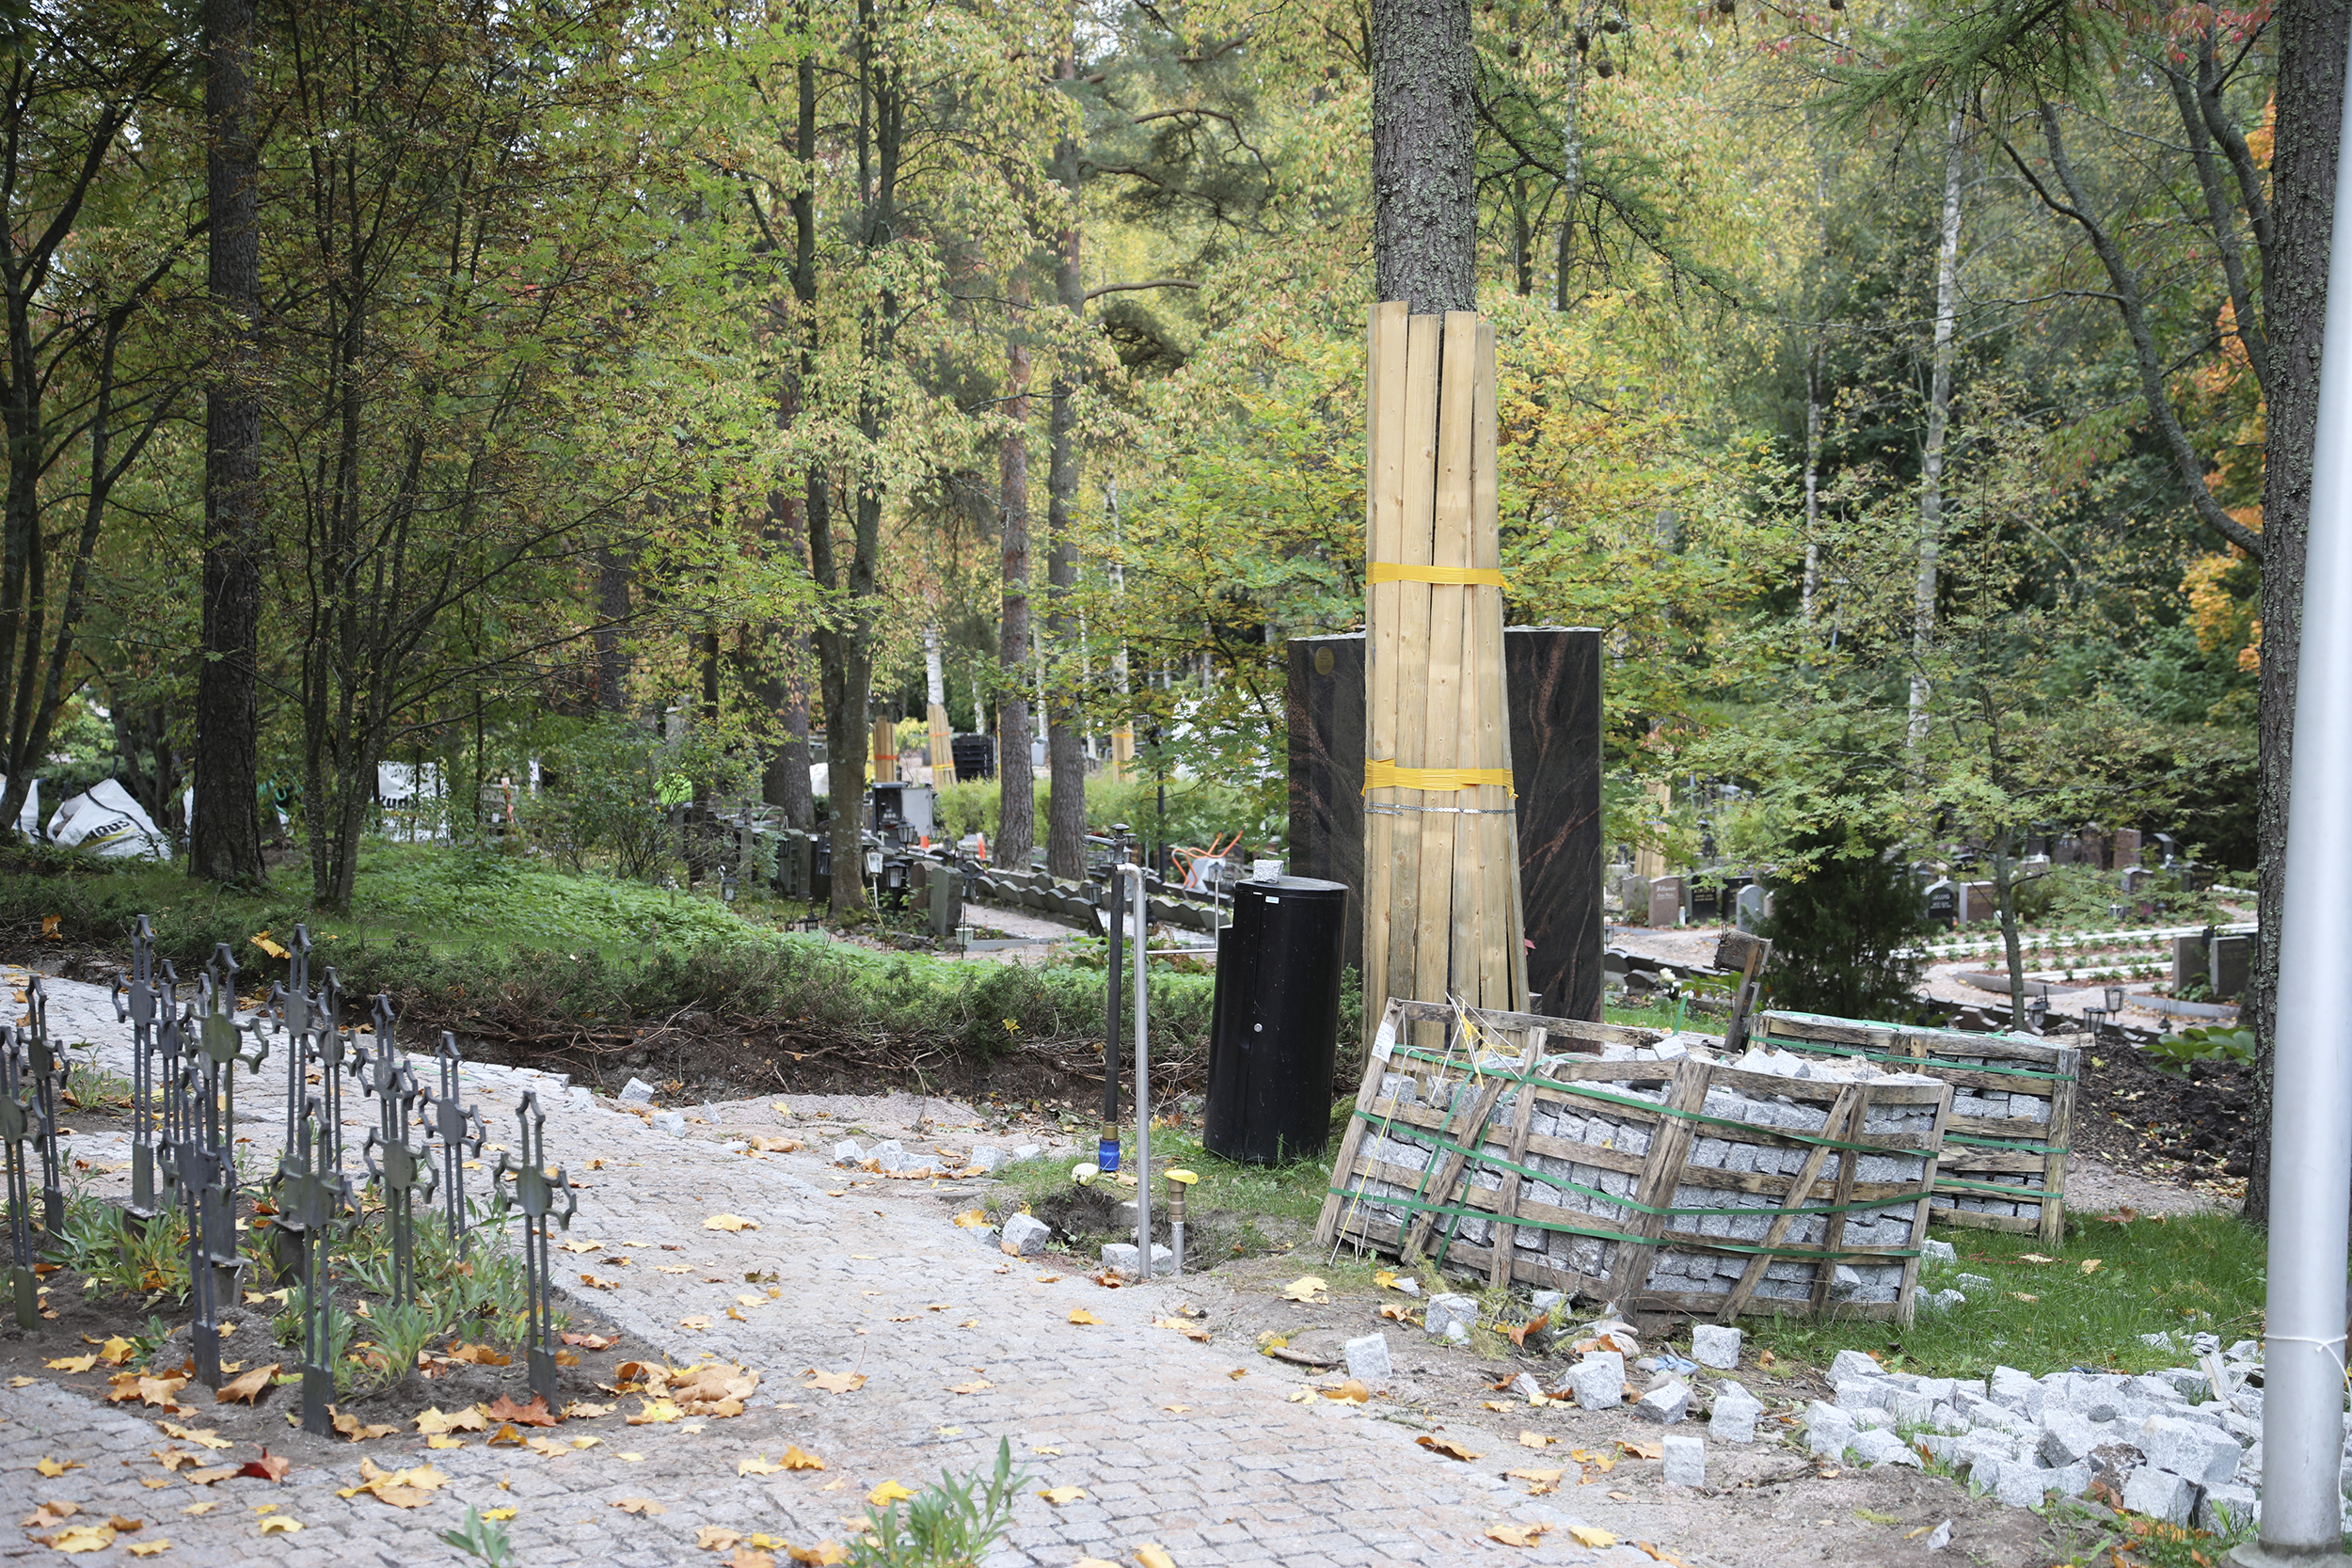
(784, 684)
(1812, 479)
(225, 839)
(611, 611)
(1425, 199)
(1016, 784)
(1066, 809)
(1939, 422)
(2313, 35)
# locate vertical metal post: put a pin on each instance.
(1107, 1146)
(2311, 1116)
(1143, 1087)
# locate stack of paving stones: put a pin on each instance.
(1683, 1269)
(2011, 1098)
(2163, 1444)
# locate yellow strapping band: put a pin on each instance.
(1396, 571)
(1388, 775)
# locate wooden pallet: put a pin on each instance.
(1478, 1186)
(1978, 1148)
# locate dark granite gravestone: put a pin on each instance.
(1552, 675)
(2228, 960)
(1943, 904)
(1705, 903)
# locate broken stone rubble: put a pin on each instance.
(2162, 1441)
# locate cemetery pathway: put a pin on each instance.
(1193, 1447)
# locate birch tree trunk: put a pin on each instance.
(1939, 422)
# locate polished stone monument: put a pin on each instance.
(1553, 679)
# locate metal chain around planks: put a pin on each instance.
(314, 1200)
(402, 1173)
(46, 1067)
(19, 1126)
(139, 1001)
(523, 1181)
(457, 1130)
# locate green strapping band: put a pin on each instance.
(1709, 1242)
(1552, 1178)
(2013, 1146)
(1652, 1107)
(1818, 1048)
(1953, 1184)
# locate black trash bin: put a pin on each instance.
(1274, 1022)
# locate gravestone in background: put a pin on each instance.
(1553, 680)
(1705, 904)
(2227, 963)
(2192, 962)
(1749, 910)
(1943, 903)
(1977, 902)
(1666, 901)
(1633, 893)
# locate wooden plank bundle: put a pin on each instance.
(1612, 1165)
(2004, 1158)
(1443, 916)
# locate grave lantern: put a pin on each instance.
(2115, 1001)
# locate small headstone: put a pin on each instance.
(1748, 912)
(1686, 1461)
(1705, 903)
(1715, 1345)
(1368, 1361)
(2229, 963)
(636, 1092)
(1665, 901)
(1943, 900)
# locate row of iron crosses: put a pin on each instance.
(185, 1053)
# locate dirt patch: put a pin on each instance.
(2196, 1130)
(1086, 1217)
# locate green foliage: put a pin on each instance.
(951, 1524)
(1839, 932)
(482, 1537)
(2215, 1043)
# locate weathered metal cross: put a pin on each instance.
(20, 1125)
(220, 1051)
(333, 1046)
(292, 1008)
(523, 1180)
(458, 1129)
(138, 1003)
(191, 1168)
(46, 1067)
(405, 1172)
(314, 1200)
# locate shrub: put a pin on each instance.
(1840, 933)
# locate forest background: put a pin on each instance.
(639, 387)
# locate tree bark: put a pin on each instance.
(2313, 36)
(1939, 422)
(1066, 808)
(611, 611)
(1016, 784)
(1425, 199)
(784, 687)
(225, 838)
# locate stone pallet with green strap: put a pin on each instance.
(2006, 1143)
(1615, 1165)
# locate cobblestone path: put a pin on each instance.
(1168, 1446)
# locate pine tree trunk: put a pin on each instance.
(225, 838)
(1425, 199)
(1064, 760)
(2313, 36)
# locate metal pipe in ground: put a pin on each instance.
(2311, 1119)
(1107, 1146)
(1143, 1086)
(1177, 1181)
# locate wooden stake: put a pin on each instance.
(1442, 697)
(1383, 502)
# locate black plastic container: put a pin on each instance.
(1276, 1020)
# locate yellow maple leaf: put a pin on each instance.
(83, 1537)
(1305, 1287)
(1592, 1535)
(72, 1363)
(1152, 1555)
(280, 1524)
(835, 1383)
(147, 1548)
(972, 1219)
(2090, 1265)
(1529, 1535)
(498, 1513)
(53, 1468)
(887, 1493)
(1060, 1495)
(1080, 1315)
(759, 1465)
(640, 1506)
(729, 1222)
(795, 1458)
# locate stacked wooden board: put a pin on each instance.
(2004, 1158)
(1615, 1165)
(1441, 902)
